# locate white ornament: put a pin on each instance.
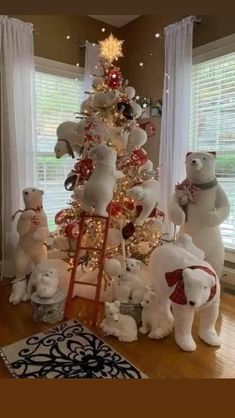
(33, 232)
(112, 267)
(137, 138)
(114, 237)
(148, 166)
(105, 99)
(121, 326)
(98, 190)
(97, 82)
(130, 92)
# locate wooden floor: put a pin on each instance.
(157, 359)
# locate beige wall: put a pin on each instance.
(51, 30)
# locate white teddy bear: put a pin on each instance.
(154, 318)
(70, 138)
(46, 284)
(121, 326)
(128, 285)
(104, 100)
(137, 138)
(187, 283)
(98, 191)
(200, 205)
(146, 195)
(33, 232)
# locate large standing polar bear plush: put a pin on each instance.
(183, 280)
(33, 232)
(200, 205)
(98, 191)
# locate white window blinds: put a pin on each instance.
(57, 99)
(212, 125)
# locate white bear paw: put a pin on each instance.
(213, 219)
(186, 343)
(177, 216)
(157, 334)
(143, 330)
(211, 338)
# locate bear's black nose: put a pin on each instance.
(128, 269)
(191, 303)
(25, 192)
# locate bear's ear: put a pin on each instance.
(188, 153)
(117, 303)
(212, 153)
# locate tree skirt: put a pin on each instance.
(68, 350)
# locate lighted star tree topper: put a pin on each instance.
(111, 48)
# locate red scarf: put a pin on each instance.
(176, 278)
(34, 219)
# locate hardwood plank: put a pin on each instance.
(157, 359)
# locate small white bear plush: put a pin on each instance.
(47, 283)
(146, 195)
(33, 233)
(121, 326)
(136, 109)
(187, 283)
(70, 138)
(98, 191)
(154, 318)
(128, 285)
(200, 205)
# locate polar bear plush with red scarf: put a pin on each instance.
(183, 280)
(199, 205)
(33, 232)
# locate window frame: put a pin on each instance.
(56, 68)
(206, 52)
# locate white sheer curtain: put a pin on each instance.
(92, 65)
(176, 109)
(18, 135)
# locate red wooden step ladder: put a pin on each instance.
(77, 255)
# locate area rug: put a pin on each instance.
(68, 350)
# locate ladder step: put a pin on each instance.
(87, 284)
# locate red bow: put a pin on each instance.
(176, 278)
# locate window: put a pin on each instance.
(212, 125)
(59, 93)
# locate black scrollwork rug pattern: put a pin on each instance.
(69, 350)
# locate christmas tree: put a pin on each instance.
(109, 116)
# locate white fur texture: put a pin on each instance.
(47, 283)
(30, 246)
(147, 196)
(197, 285)
(204, 216)
(129, 285)
(121, 326)
(98, 191)
(137, 138)
(104, 99)
(73, 132)
(155, 321)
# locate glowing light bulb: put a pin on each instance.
(141, 64)
(157, 35)
(68, 37)
(103, 30)
(77, 65)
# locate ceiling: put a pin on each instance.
(115, 20)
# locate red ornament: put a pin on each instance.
(149, 127)
(84, 168)
(139, 157)
(128, 204)
(113, 77)
(71, 230)
(128, 230)
(116, 209)
(61, 216)
(90, 136)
